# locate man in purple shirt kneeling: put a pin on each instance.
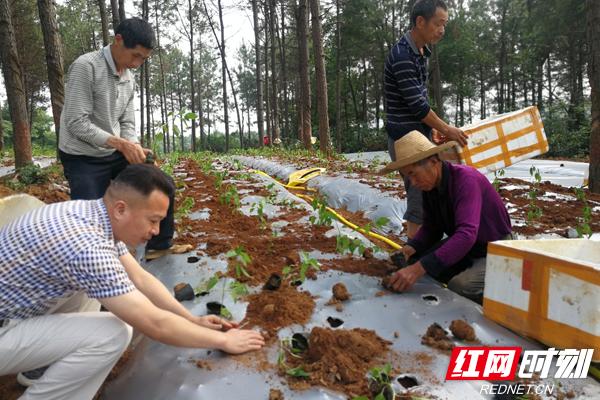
(458, 201)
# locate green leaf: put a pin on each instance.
(231, 253)
(225, 313)
(381, 222)
(298, 372)
(190, 116)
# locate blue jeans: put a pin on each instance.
(89, 178)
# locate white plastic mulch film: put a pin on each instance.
(157, 371)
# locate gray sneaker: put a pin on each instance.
(28, 378)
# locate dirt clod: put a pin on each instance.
(437, 338)
(462, 330)
(339, 359)
(340, 292)
(275, 394)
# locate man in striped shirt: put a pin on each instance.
(97, 130)
(59, 259)
(405, 80)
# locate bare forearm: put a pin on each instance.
(160, 296)
(177, 331)
(432, 120)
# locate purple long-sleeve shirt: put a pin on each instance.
(467, 208)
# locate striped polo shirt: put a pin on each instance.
(405, 88)
(55, 251)
(98, 104)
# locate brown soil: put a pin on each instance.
(462, 330)
(276, 394)
(269, 254)
(437, 338)
(339, 360)
(202, 364)
(358, 219)
(9, 388)
(275, 309)
(54, 191)
(340, 292)
(557, 216)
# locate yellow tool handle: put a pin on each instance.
(391, 243)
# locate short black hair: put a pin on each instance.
(136, 31)
(144, 179)
(425, 9)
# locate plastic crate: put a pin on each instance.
(548, 290)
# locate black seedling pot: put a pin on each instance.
(214, 307)
(408, 381)
(299, 342)
(273, 283)
(334, 322)
(183, 292)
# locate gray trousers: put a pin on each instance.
(79, 343)
(414, 196)
(470, 282)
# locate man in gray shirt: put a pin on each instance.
(97, 132)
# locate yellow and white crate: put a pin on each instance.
(548, 290)
(503, 140)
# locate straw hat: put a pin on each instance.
(413, 147)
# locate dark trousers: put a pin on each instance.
(89, 178)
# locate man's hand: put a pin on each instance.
(214, 322)
(133, 152)
(403, 279)
(400, 257)
(456, 134)
(408, 251)
(240, 341)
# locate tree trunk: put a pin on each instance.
(203, 142)
(284, 76)
(192, 83)
(482, 111)
(549, 78)
(114, 6)
(54, 60)
(322, 103)
(180, 102)
(233, 91)
(149, 120)
(274, 105)
(502, 58)
(435, 83)
(1, 133)
(121, 10)
(104, 22)
(268, 120)
(224, 73)
(143, 72)
(163, 93)
(338, 78)
(15, 92)
(304, 79)
(593, 38)
(142, 110)
(259, 99)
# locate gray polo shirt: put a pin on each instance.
(98, 104)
